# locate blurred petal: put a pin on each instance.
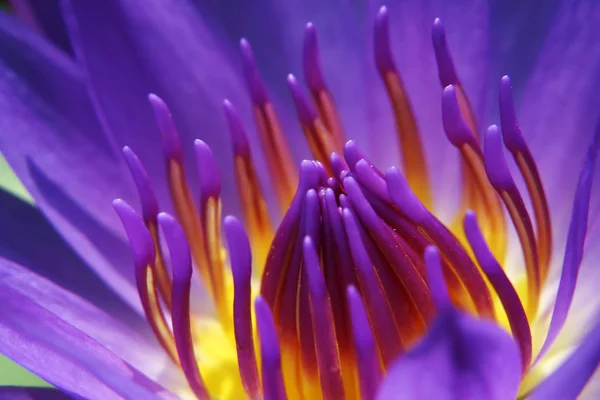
(58, 308)
(570, 378)
(163, 47)
(54, 142)
(460, 358)
(45, 16)
(28, 239)
(28, 393)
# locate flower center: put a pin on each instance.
(349, 231)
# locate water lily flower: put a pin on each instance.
(223, 267)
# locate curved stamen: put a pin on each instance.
(435, 279)
(181, 265)
(210, 214)
(320, 141)
(456, 259)
(316, 83)
(143, 250)
(369, 368)
(462, 138)
(149, 213)
(277, 152)
(323, 326)
(254, 207)
(514, 141)
(500, 177)
(509, 297)
(379, 309)
(272, 380)
(241, 268)
(413, 155)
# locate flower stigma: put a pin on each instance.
(320, 304)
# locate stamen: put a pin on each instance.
(180, 193)
(254, 207)
(323, 326)
(509, 297)
(210, 214)
(320, 141)
(272, 380)
(462, 138)
(500, 178)
(338, 165)
(143, 251)
(149, 213)
(514, 141)
(413, 156)
(435, 279)
(320, 94)
(181, 265)
(407, 273)
(456, 260)
(241, 268)
(277, 153)
(369, 369)
(382, 318)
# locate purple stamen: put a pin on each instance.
(323, 326)
(181, 265)
(511, 131)
(495, 162)
(143, 185)
(272, 379)
(446, 69)
(306, 112)
(166, 126)
(208, 173)
(575, 246)
(372, 179)
(256, 87)
(392, 251)
(403, 197)
(353, 154)
(310, 60)
(457, 130)
(369, 369)
(338, 165)
(380, 312)
(239, 139)
(435, 279)
(383, 54)
(241, 268)
(509, 297)
(139, 237)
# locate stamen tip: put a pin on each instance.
(310, 59)
(236, 130)
(142, 246)
(403, 197)
(239, 249)
(383, 54)
(495, 162)
(306, 113)
(511, 131)
(143, 185)
(179, 250)
(258, 92)
(446, 70)
(435, 278)
(455, 127)
(166, 126)
(208, 172)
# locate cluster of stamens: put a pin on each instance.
(344, 288)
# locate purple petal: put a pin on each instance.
(69, 343)
(44, 16)
(570, 378)
(167, 49)
(31, 393)
(81, 316)
(459, 358)
(28, 239)
(58, 150)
